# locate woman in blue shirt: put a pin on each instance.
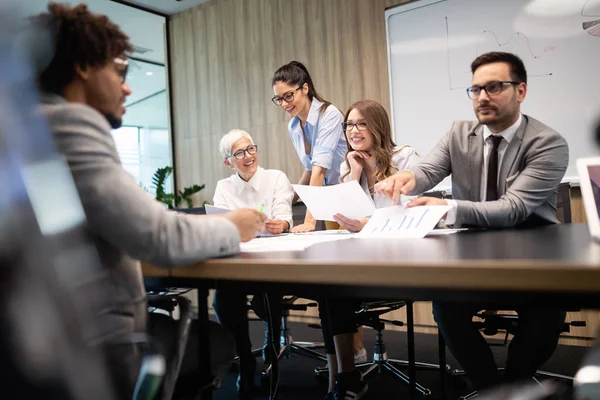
(315, 129)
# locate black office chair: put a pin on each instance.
(288, 345)
(495, 322)
(369, 314)
(169, 300)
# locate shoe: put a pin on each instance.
(349, 386)
(245, 380)
(360, 356)
(328, 396)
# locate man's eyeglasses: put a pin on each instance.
(122, 71)
(492, 88)
(361, 126)
(287, 96)
(239, 155)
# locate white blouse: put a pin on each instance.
(403, 158)
(269, 188)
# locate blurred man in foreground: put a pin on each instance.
(83, 95)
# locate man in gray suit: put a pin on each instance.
(84, 92)
(506, 168)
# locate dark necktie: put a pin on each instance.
(491, 192)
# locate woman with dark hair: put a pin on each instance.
(315, 129)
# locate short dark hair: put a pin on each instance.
(517, 68)
(80, 38)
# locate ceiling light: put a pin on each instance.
(149, 73)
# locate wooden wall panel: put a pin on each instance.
(225, 52)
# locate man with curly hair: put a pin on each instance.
(83, 95)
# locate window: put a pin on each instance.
(142, 152)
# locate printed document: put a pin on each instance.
(403, 222)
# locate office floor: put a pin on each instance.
(297, 381)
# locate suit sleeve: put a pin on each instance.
(434, 168)
(120, 212)
(545, 166)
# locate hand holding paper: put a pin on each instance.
(347, 199)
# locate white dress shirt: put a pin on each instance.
(269, 188)
(508, 134)
(403, 158)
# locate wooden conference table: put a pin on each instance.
(557, 265)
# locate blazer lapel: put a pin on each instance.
(475, 162)
(510, 156)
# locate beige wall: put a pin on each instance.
(225, 52)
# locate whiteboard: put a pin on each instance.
(431, 44)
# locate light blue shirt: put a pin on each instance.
(325, 134)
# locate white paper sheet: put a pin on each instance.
(403, 222)
(446, 231)
(215, 210)
(292, 242)
(346, 198)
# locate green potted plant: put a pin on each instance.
(172, 200)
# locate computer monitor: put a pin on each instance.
(589, 176)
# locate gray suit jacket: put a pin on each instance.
(532, 167)
(126, 223)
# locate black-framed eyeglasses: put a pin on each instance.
(124, 68)
(287, 96)
(360, 125)
(239, 155)
(492, 88)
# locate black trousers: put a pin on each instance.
(533, 344)
(337, 317)
(231, 307)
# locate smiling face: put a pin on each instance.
(299, 105)
(501, 110)
(247, 166)
(360, 140)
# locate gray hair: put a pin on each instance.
(229, 140)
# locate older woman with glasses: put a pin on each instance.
(251, 186)
(270, 192)
(315, 129)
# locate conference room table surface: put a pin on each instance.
(556, 262)
(554, 265)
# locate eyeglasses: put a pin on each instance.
(288, 97)
(122, 71)
(348, 126)
(492, 88)
(239, 155)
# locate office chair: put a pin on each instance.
(287, 345)
(494, 322)
(169, 301)
(370, 315)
